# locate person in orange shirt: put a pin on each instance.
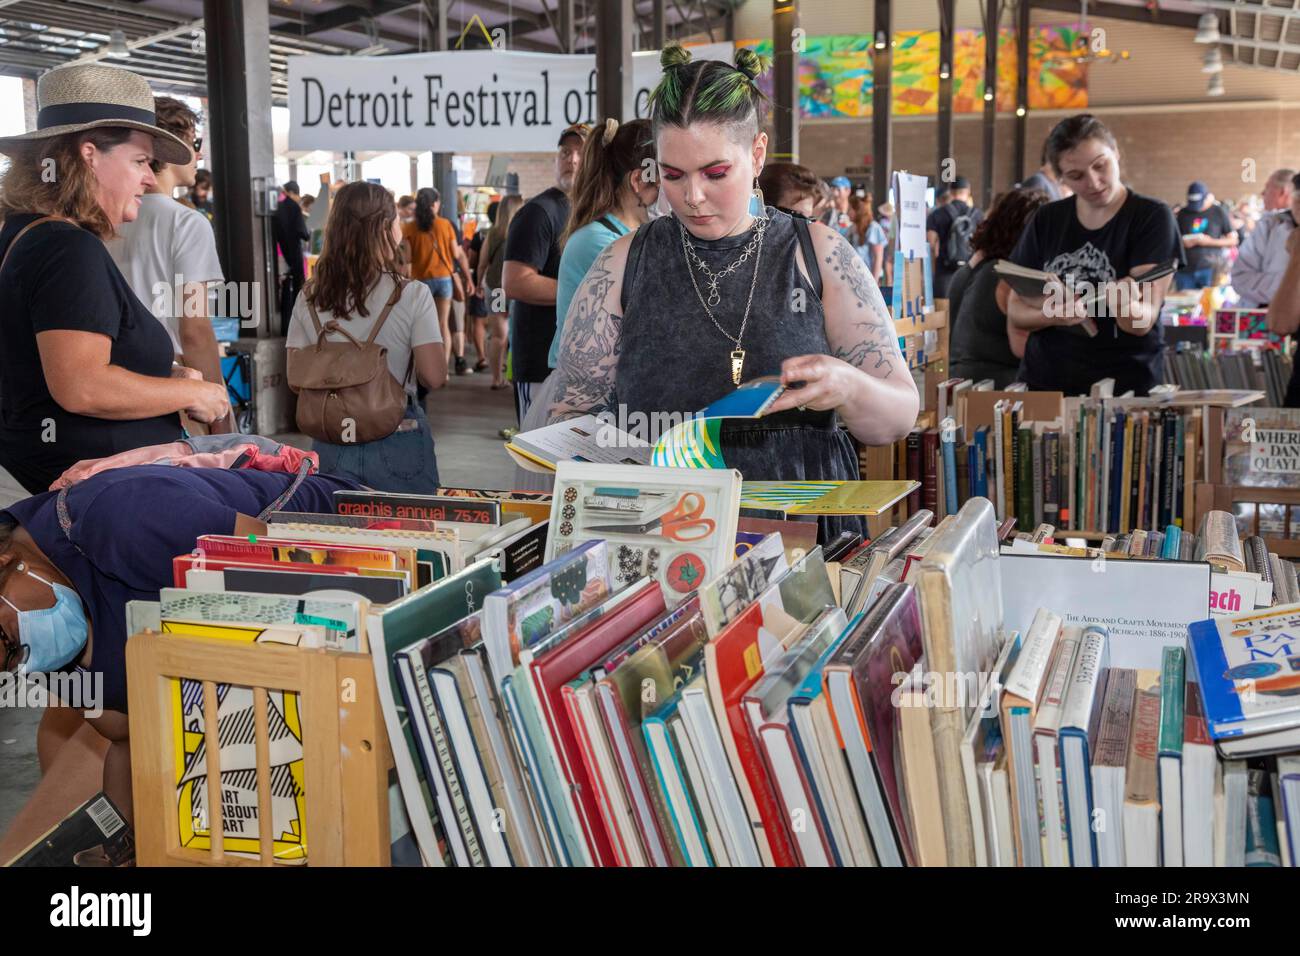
(434, 256)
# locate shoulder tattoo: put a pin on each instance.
(590, 342)
(869, 343)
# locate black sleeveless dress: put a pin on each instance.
(673, 359)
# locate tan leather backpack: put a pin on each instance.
(342, 384)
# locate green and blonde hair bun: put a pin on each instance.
(709, 91)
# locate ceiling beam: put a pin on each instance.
(1117, 11)
(179, 30)
(1246, 7)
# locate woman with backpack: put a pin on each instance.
(359, 339)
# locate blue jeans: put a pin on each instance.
(402, 462)
(1193, 278)
(441, 288)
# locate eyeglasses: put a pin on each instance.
(15, 654)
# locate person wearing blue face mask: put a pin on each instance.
(69, 563)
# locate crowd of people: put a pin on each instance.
(716, 251)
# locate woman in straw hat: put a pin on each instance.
(86, 370)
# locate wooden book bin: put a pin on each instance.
(345, 747)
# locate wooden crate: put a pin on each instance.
(345, 747)
(1222, 497)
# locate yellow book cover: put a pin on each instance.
(825, 497)
(240, 808)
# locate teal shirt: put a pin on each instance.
(579, 253)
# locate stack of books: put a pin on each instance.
(672, 685)
(1101, 465)
(1266, 370)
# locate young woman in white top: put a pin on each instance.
(352, 281)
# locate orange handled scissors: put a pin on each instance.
(683, 523)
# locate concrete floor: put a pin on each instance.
(465, 415)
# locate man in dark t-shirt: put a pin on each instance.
(1207, 232)
(532, 263)
(956, 213)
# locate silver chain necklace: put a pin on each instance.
(753, 247)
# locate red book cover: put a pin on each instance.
(1194, 729)
(316, 553)
(930, 470)
(187, 562)
(553, 670)
(570, 697)
(733, 664)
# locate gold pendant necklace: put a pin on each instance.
(738, 353)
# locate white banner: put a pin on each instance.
(471, 101)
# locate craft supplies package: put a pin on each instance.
(675, 525)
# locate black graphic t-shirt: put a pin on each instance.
(1212, 222)
(1067, 359)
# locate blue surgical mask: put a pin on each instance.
(53, 635)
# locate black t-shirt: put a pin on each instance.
(61, 277)
(979, 345)
(1212, 222)
(534, 239)
(1066, 359)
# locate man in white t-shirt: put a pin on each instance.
(168, 254)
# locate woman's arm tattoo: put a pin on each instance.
(589, 345)
(871, 343)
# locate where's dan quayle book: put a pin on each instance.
(1248, 668)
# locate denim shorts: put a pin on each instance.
(441, 288)
(402, 462)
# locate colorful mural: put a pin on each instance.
(835, 73)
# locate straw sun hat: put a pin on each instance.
(90, 96)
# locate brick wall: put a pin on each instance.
(1162, 149)
(536, 170)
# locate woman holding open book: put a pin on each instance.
(676, 315)
(1094, 242)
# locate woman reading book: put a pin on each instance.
(681, 312)
(1094, 242)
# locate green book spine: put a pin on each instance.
(1025, 478)
(1172, 666)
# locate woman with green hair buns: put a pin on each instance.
(680, 312)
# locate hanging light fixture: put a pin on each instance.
(988, 95)
(1020, 111)
(1213, 61)
(1207, 28)
(944, 72)
(117, 45)
(1216, 85)
(881, 42)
